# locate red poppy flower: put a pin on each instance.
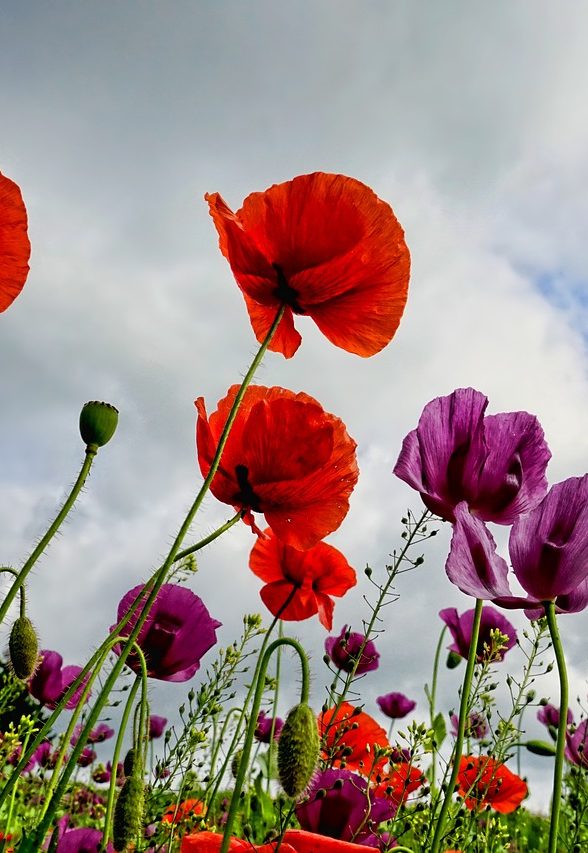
(485, 782)
(15, 248)
(311, 575)
(210, 842)
(325, 246)
(349, 735)
(401, 781)
(311, 842)
(178, 812)
(285, 457)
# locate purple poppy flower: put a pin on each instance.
(87, 757)
(549, 716)
(81, 840)
(476, 727)
(548, 549)
(344, 649)
(156, 726)
(45, 755)
(496, 464)
(101, 774)
(101, 733)
(348, 810)
(176, 635)
(15, 757)
(577, 745)
(395, 705)
(461, 630)
(51, 679)
(263, 730)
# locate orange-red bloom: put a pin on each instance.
(349, 735)
(285, 457)
(15, 248)
(210, 842)
(485, 782)
(178, 812)
(304, 578)
(325, 246)
(399, 782)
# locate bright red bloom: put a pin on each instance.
(177, 812)
(350, 736)
(210, 842)
(302, 841)
(285, 457)
(485, 782)
(309, 576)
(325, 246)
(15, 248)
(401, 781)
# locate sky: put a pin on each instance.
(470, 119)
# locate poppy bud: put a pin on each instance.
(298, 750)
(453, 660)
(128, 813)
(23, 647)
(129, 762)
(98, 422)
(235, 763)
(540, 747)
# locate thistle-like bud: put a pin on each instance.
(128, 813)
(98, 422)
(23, 647)
(298, 750)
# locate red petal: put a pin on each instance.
(15, 248)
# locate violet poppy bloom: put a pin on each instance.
(346, 809)
(101, 774)
(263, 730)
(81, 840)
(549, 716)
(156, 726)
(51, 680)
(548, 549)
(395, 705)
(476, 727)
(496, 464)
(87, 757)
(344, 649)
(175, 636)
(461, 630)
(577, 745)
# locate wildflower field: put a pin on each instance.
(242, 772)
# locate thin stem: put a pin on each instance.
(563, 724)
(210, 538)
(463, 718)
(23, 573)
(274, 712)
(432, 696)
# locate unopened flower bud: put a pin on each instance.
(23, 647)
(129, 762)
(540, 747)
(453, 660)
(298, 750)
(128, 813)
(98, 422)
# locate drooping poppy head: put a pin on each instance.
(324, 246)
(345, 650)
(496, 464)
(304, 581)
(15, 248)
(265, 724)
(577, 745)
(549, 716)
(349, 738)
(461, 632)
(51, 680)
(156, 726)
(345, 808)
(176, 634)
(395, 705)
(482, 781)
(285, 457)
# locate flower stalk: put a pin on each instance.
(562, 725)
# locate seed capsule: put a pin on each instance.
(98, 422)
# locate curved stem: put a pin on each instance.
(463, 718)
(562, 727)
(210, 538)
(70, 500)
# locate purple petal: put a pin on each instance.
(473, 564)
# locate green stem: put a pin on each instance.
(563, 724)
(463, 719)
(23, 573)
(274, 712)
(432, 696)
(246, 752)
(210, 538)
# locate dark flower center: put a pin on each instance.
(246, 497)
(285, 293)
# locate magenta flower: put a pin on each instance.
(345, 809)
(176, 635)
(87, 757)
(476, 727)
(81, 840)
(344, 649)
(51, 680)
(263, 730)
(496, 464)
(395, 705)
(577, 745)
(461, 630)
(549, 716)
(548, 549)
(156, 726)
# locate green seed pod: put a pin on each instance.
(23, 647)
(128, 813)
(298, 750)
(98, 422)
(540, 747)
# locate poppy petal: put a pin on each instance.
(15, 248)
(473, 564)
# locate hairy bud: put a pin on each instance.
(298, 750)
(128, 813)
(23, 647)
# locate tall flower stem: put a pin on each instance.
(270, 751)
(432, 696)
(54, 527)
(252, 724)
(463, 718)
(562, 726)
